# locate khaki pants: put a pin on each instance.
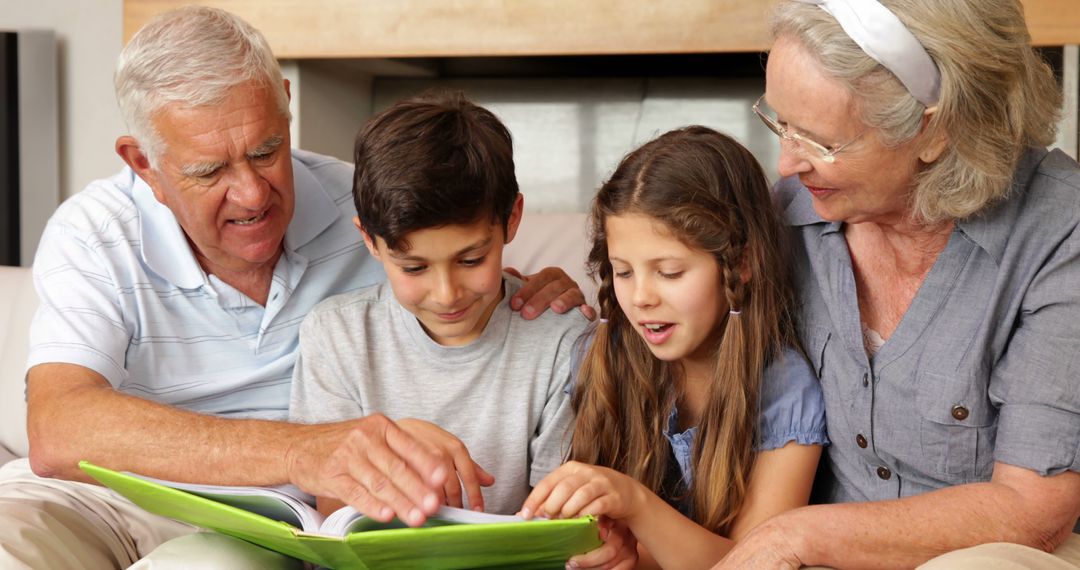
(1003, 556)
(50, 523)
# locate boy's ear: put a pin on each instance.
(515, 218)
(368, 241)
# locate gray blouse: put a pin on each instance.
(983, 367)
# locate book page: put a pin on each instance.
(286, 503)
(347, 520)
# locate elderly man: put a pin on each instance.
(171, 298)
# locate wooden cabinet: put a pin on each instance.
(319, 29)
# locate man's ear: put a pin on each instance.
(288, 90)
(368, 241)
(515, 218)
(131, 153)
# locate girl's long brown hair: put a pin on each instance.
(710, 192)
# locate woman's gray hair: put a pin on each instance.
(192, 55)
(998, 96)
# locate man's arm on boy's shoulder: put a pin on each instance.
(550, 287)
(74, 414)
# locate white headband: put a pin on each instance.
(886, 39)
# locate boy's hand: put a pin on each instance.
(577, 489)
(372, 464)
(619, 551)
(469, 473)
(551, 287)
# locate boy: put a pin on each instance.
(438, 200)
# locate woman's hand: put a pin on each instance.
(576, 489)
(767, 546)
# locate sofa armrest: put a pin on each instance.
(18, 301)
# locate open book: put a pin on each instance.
(283, 520)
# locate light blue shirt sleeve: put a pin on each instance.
(792, 406)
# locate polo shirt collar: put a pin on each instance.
(314, 212)
(165, 247)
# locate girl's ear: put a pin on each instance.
(368, 241)
(515, 218)
(745, 273)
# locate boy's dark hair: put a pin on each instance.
(433, 160)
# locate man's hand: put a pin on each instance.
(373, 464)
(551, 287)
(469, 473)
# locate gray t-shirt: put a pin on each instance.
(502, 395)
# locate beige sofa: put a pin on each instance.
(543, 240)
(17, 305)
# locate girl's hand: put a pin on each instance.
(576, 489)
(619, 551)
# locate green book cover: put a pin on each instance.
(452, 539)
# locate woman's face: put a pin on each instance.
(868, 182)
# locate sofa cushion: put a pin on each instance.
(17, 305)
(552, 240)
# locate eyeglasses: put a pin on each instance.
(804, 145)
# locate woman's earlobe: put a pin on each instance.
(934, 147)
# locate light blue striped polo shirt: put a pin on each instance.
(122, 294)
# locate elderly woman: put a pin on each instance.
(938, 257)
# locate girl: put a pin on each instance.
(696, 416)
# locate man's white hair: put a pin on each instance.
(192, 55)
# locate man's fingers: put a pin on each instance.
(544, 289)
(426, 461)
(356, 496)
(568, 300)
(486, 479)
(373, 484)
(467, 473)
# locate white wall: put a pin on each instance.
(90, 35)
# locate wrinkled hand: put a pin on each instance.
(767, 547)
(551, 287)
(372, 464)
(576, 489)
(619, 551)
(469, 473)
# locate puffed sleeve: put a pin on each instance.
(792, 406)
